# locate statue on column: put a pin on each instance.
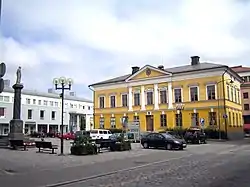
(18, 75)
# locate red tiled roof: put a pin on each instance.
(240, 69)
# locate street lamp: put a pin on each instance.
(62, 84)
(218, 100)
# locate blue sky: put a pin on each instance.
(90, 41)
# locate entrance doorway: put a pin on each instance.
(149, 122)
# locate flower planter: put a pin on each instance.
(120, 146)
(85, 149)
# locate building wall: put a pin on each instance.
(141, 83)
(31, 102)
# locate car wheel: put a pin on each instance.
(145, 145)
(169, 146)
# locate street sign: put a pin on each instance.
(224, 116)
(2, 69)
(1, 85)
(202, 121)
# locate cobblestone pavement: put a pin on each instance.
(221, 169)
(213, 164)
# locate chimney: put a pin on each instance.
(195, 60)
(135, 69)
(73, 94)
(161, 67)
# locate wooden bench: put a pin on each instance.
(15, 144)
(46, 145)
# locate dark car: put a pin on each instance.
(195, 136)
(162, 140)
(38, 135)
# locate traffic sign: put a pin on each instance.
(1, 85)
(2, 69)
(224, 116)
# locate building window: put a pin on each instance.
(42, 114)
(56, 104)
(177, 95)
(245, 95)
(2, 112)
(232, 93)
(28, 101)
(163, 120)
(233, 120)
(137, 99)
(51, 103)
(235, 95)
(6, 98)
(228, 92)
(88, 107)
(101, 102)
(112, 123)
(71, 105)
(136, 119)
(1, 98)
(238, 96)
(34, 101)
(195, 119)
(163, 96)
(39, 102)
(212, 118)
(194, 93)
(149, 98)
(124, 100)
(178, 120)
(246, 106)
(83, 107)
(211, 92)
(45, 103)
(53, 115)
(101, 122)
(29, 114)
(236, 121)
(112, 101)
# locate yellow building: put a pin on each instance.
(161, 98)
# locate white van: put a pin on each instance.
(100, 134)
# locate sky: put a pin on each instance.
(94, 40)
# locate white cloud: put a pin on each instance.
(92, 36)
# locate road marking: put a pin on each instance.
(69, 182)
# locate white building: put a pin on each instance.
(42, 111)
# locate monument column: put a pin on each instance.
(16, 124)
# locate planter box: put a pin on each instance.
(87, 149)
(120, 146)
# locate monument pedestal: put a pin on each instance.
(16, 130)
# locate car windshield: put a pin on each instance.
(168, 136)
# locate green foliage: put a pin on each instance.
(121, 146)
(211, 133)
(83, 146)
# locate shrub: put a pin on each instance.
(83, 146)
(121, 144)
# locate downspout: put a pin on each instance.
(224, 99)
(93, 105)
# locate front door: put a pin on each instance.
(150, 122)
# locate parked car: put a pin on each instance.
(67, 136)
(195, 136)
(51, 134)
(100, 134)
(38, 135)
(162, 140)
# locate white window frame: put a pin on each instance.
(159, 95)
(146, 96)
(99, 106)
(31, 114)
(51, 115)
(182, 97)
(4, 113)
(127, 99)
(198, 93)
(110, 101)
(215, 88)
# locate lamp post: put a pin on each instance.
(218, 100)
(62, 84)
